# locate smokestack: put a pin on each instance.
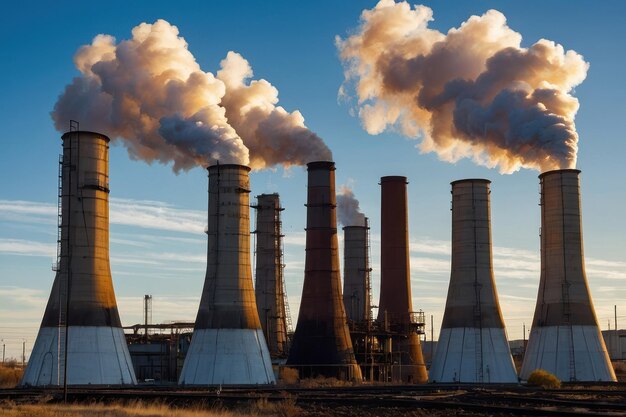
(269, 288)
(321, 343)
(395, 306)
(565, 338)
(228, 346)
(356, 272)
(473, 345)
(81, 317)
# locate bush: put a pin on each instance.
(544, 379)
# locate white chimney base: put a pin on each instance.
(96, 356)
(456, 357)
(227, 357)
(549, 349)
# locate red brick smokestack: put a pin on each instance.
(321, 343)
(395, 304)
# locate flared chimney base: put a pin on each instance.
(549, 349)
(456, 357)
(96, 356)
(227, 357)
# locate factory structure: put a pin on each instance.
(565, 338)
(228, 346)
(243, 335)
(81, 340)
(472, 345)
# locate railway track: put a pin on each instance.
(470, 400)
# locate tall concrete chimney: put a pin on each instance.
(321, 343)
(228, 346)
(269, 288)
(473, 345)
(356, 273)
(81, 317)
(565, 338)
(395, 306)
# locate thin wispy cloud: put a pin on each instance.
(27, 248)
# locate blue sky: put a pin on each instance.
(157, 217)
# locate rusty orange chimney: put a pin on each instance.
(395, 306)
(321, 343)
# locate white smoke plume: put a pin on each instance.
(473, 92)
(150, 92)
(348, 211)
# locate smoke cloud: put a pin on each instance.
(471, 93)
(348, 211)
(150, 92)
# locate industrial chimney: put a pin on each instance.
(395, 306)
(228, 346)
(321, 343)
(269, 288)
(81, 319)
(473, 345)
(565, 338)
(356, 272)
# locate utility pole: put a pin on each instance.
(23, 352)
(3, 350)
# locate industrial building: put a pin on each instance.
(271, 297)
(241, 328)
(81, 340)
(395, 307)
(356, 272)
(321, 342)
(565, 338)
(228, 346)
(472, 345)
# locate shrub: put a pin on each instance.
(544, 379)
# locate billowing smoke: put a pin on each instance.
(473, 92)
(348, 211)
(150, 92)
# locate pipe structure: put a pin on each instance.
(81, 318)
(395, 305)
(228, 346)
(269, 288)
(356, 273)
(565, 338)
(321, 343)
(473, 345)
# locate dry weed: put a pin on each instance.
(10, 375)
(543, 378)
(323, 382)
(134, 409)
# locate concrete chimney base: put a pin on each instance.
(549, 348)
(227, 357)
(97, 355)
(456, 357)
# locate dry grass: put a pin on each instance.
(286, 408)
(10, 375)
(545, 379)
(323, 382)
